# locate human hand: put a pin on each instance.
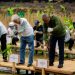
(35, 31)
(50, 29)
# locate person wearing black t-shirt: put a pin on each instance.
(39, 34)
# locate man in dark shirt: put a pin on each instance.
(54, 26)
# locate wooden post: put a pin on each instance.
(43, 71)
(44, 54)
(13, 68)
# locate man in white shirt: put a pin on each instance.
(3, 32)
(27, 37)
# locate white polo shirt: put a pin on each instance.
(25, 28)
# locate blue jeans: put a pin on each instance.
(24, 41)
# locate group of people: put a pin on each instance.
(53, 29)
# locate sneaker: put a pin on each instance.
(20, 63)
(51, 64)
(60, 65)
(29, 65)
(5, 60)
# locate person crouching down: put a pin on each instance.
(27, 37)
(12, 34)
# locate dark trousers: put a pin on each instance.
(39, 42)
(52, 45)
(70, 43)
(3, 46)
(15, 40)
(68, 1)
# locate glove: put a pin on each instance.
(35, 32)
(50, 29)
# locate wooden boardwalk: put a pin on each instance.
(68, 69)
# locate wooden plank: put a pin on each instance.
(39, 48)
(69, 68)
(13, 66)
(24, 67)
(73, 59)
(6, 64)
(70, 52)
(45, 49)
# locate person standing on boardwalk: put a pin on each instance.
(27, 37)
(54, 26)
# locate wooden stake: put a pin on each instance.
(13, 68)
(43, 71)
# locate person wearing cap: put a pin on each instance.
(54, 26)
(27, 37)
(3, 32)
(12, 33)
(10, 29)
(38, 29)
(9, 33)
